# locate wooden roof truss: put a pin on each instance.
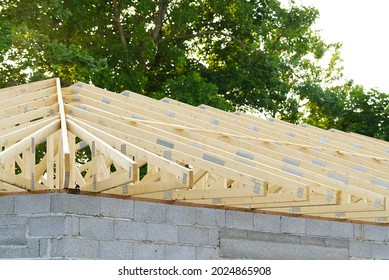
(127, 144)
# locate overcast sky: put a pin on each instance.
(362, 27)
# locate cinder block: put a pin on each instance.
(162, 233)
(386, 239)
(207, 253)
(194, 235)
(261, 236)
(342, 230)
(129, 230)
(337, 243)
(149, 251)
(47, 226)
(316, 241)
(30, 251)
(32, 204)
(374, 233)
(44, 248)
(293, 225)
(358, 232)
(116, 250)
(267, 223)
(211, 217)
(273, 237)
(233, 233)
(13, 220)
(359, 249)
(247, 249)
(177, 252)
(7, 205)
(13, 235)
(286, 238)
(180, 215)
(380, 251)
(213, 236)
(117, 208)
(76, 204)
(317, 227)
(75, 248)
(72, 225)
(96, 227)
(322, 253)
(148, 211)
(240, 220)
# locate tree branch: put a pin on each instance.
(116, 19)
(162, 8)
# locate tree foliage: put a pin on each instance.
(233, 54)
(250, 50)
(349, 108)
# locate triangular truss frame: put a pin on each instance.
(93, 140)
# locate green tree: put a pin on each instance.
(233, 54)
(249, 53)
(349, 108)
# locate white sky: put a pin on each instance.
(362, 26)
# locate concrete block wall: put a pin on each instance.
(69, 226)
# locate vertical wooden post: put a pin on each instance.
(26, 167)
(59, 165)
(72, 161)
(32, 163)
(50, 161)
(94, 165)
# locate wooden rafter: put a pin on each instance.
(130, 145)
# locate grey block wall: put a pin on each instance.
(69, 226)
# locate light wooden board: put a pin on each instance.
(168, 150)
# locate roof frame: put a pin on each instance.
(130, 145)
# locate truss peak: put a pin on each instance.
(86, 138)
